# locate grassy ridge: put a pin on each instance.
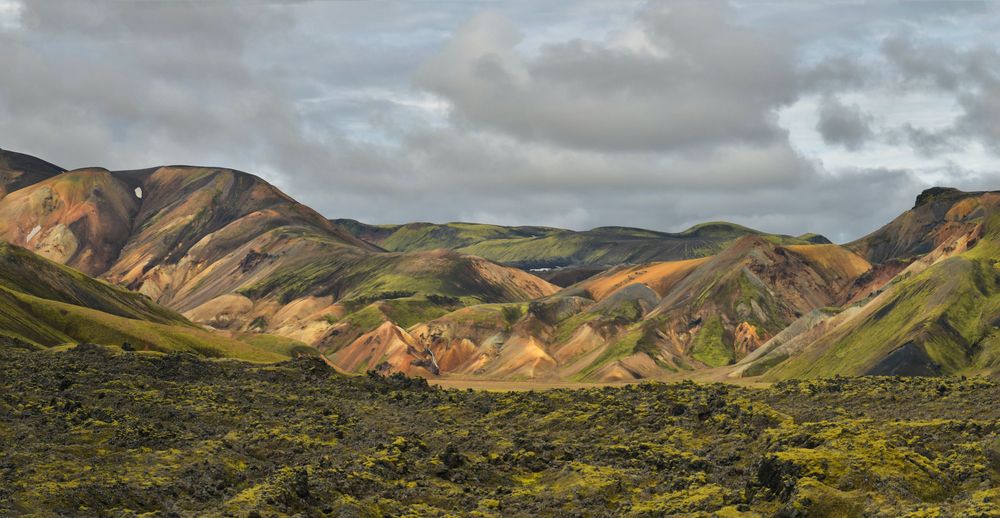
(48, 304)
(548, 247)
(50, 323)
(440, 273)
(942, 319)
(25, 272)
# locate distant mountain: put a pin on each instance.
(915, 297)
(545, 247)
(630, 322)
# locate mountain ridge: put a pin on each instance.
(230, 251)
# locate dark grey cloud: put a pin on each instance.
(834, 74)
(845, 125)
(929, 143)
(689, 77)
(574, 113)
(970, 73)
(118, 82)
(933, 63)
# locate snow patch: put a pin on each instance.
(33, 233)
(138, 192)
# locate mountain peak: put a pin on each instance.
(929, 195)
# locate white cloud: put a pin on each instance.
(10, 14)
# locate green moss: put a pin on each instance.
(813, 498)
(942, 313)
(512, 314)
(624, 346)
(408, 312)
(685, 501)
(708, 345)
(95, 431)
(53, 323)
(24, 272)
(566, 328)
(367, 319)
(281, 345)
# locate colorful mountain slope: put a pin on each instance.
(938, 316)
(721, 309)
(232, 251)
(939, 215)
(629, 322)
(228, 250)
(47, 304)
(81, 219)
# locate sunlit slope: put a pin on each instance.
(48, 304)
(938, 316)
(941, 320)
(230, 250)
(633, 322)
(81, 218)
(717, 312)
(939, 215)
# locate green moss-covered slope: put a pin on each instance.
(24, 272)
(939, 320)
(47, 304)
(537, 247)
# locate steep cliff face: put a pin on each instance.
(939, 215)
(745, 339)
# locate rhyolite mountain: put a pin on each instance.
(229, 249)
(224, 249)
(939, 314)
(546, 247)
(630, 322)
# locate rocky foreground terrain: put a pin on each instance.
(101, 432)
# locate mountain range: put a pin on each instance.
(220, 263)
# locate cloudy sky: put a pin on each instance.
(786, 116)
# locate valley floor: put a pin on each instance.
(92, 432)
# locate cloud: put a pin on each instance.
(844, 125)
(971, 74)
(930, 143)
(577, 114)
(835, 73)
(109, 82)
(688, 77)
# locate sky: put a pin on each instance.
(786, 116)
